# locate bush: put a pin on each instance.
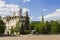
(26, 31)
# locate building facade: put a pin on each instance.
(12, 20)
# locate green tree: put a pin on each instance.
(17, 28)
(23, 30)
(54, 25)
(33, 25)
(2, 26)
(12, 30)
(43, 28)
(58, 28)
(48, 25)
(37, 28)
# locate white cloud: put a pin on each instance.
(24, 10)
(44, 9)
(26, 1)
(57, 9)
(2, 3)
(7, 9)
(31, 18)
(53, 16)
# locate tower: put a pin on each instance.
(27, 20)
(20, 13)
(42, 18)
(20, 18)
(26, 13)
(23, 21)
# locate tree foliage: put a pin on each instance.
(52, 27)
(17, 28)
(2, 26)
(12, 30)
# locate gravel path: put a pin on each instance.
(33, 37)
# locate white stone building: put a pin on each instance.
(12, 20)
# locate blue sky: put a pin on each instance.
(37, 6)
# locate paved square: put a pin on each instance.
(33, 37)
